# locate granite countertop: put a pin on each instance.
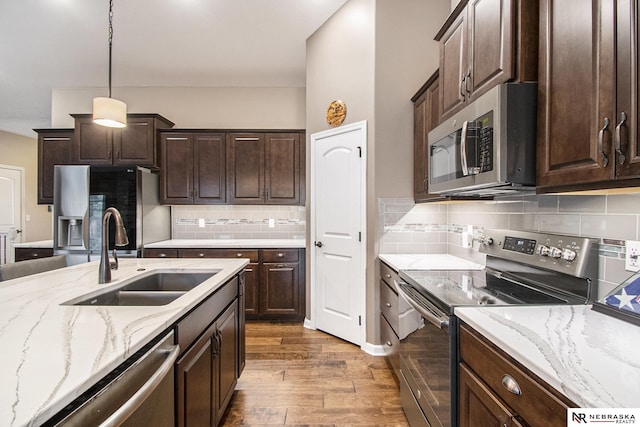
(38, 244)
(51, 353)
(428, 262)
(227, 243)
(591, 358)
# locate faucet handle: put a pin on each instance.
(114, 264)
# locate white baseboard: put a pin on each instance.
(309, 324)
(373, 349)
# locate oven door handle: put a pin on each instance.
(463, 149)
(429, 314)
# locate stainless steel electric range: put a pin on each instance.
(521, 268)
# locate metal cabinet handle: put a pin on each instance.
(467, 77)
(201, 255)
(462, 82)
(618, 140)
(129, 407)
(280, 255)
(425, 183)
(463, 149)
(162, 255)
(117, 153)
(511, 385)
(239, 254)
(605, 157)
(248, 270)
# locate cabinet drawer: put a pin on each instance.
(390, 343)
(389, 275)
(160, 253)
(219, 253)
(190, 327)
(536, 404)
(389, 305)
(22, 254)
(280, 255)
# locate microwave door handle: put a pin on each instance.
(463, 149)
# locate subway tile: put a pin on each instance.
(610, 226)
(582, 204)
(624, 203)
(560, 223)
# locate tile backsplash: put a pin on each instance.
(438, 227)
(237, 222)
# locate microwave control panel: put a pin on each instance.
(485, 142)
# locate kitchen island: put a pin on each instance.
(52, 353)
(589, 357)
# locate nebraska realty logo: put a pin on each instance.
(602, 416)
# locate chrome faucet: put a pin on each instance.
(121, 240)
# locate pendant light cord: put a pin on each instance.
(110, 40)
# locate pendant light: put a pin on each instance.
(109, 111)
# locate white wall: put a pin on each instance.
(374, 55)
(195, 107)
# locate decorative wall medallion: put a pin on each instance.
(336, 113)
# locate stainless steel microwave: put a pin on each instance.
(489, 147)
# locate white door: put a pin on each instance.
(338, 176)
(11, 194)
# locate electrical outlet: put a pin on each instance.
(201, 222)
(466, 240)
(632, 258)
(272, 222)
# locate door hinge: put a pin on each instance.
(359, 236)
(359, 151)
(359, 320)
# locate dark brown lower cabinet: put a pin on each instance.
(480, 407)
(207, 373)
(274, 279)
(22, 254)
(496, 390)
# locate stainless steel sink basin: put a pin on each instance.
(156, 288)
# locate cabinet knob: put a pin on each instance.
(201, 255)
(280, 255)
(239, 254)
(389, 304)
(389, 344)
(388, 276)
(35, 255)
(162, 255)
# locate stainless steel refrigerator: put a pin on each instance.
(82, 193)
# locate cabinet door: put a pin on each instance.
(282, 168)
(628, 77)
(176, 172)
(194, 372)
(426, 116)
(453, 67)
(226, 363)
(279, 294)
(55, 147)
(92, 142)
(490, 52)
(252, 290)
(245, 162)
(135, 144)
(209, 171)
(575, 93)
(478, 405)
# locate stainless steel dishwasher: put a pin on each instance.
(139, 392)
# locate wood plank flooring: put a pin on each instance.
(300, 377)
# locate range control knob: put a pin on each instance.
(555, 252)
(543, 250)
(568, 255)
(488, 241)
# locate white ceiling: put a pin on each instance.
(47, 44)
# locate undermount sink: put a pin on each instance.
(159, 287)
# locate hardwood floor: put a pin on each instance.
(297, 376)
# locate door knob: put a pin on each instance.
(318, 244)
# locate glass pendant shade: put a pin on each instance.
(109, 112)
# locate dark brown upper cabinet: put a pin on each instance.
(484, 43)
(588, 96)
(426, 116)
(265, 168)
(55, 147)
(135, 144)
(193, 169)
